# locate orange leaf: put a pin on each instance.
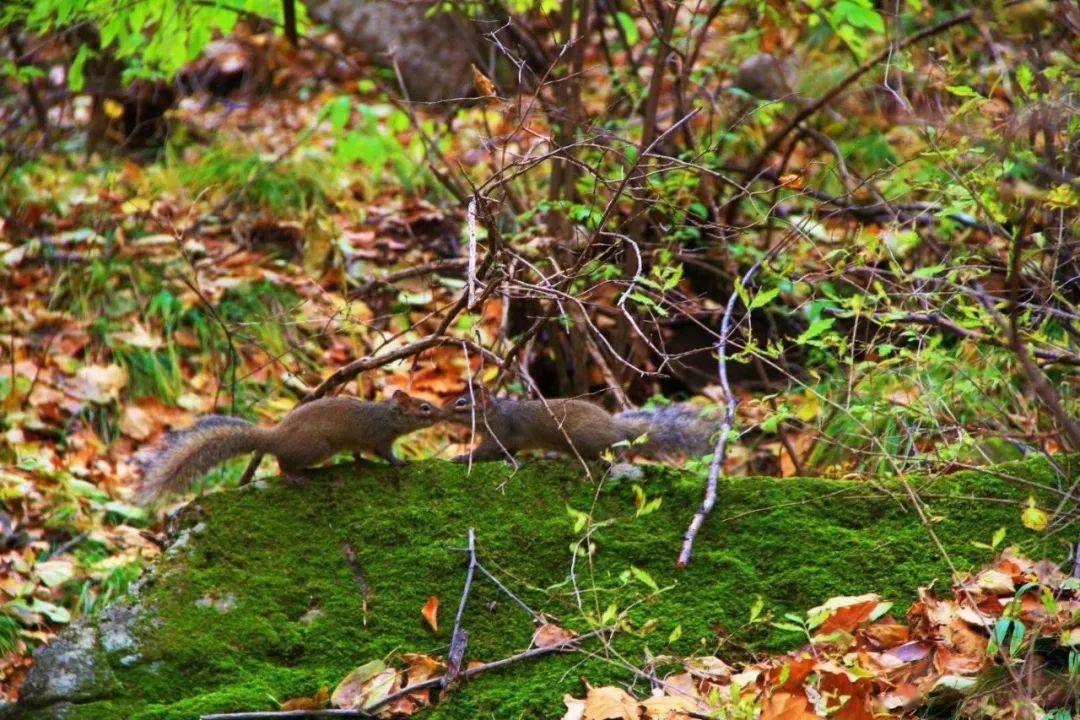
(431, 612)
(785, 706)
(483, 85)
(847, 618)
(316, 702)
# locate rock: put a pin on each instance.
(266, 601)
(116, 629)
(72, 668)
(766, 76)
(434, 53)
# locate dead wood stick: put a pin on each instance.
(429, 684)
(720, 449)
(459, 639)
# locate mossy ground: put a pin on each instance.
(297, 619)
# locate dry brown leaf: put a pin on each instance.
(99, 384)
(422, 667)
(136, 423)
(316, 702)
(575, 708)
(610, 703)
(430, 612)
(484, 86)
(887, 634)
(668, 707)
(549, 635)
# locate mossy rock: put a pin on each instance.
(259, 600)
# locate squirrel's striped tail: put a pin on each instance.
(186, 454)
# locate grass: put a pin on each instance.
(298, 622)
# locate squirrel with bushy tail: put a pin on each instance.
(307, 436)
(577, 427)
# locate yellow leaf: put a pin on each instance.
(113, 109)
(135, 206)
(1033, 517)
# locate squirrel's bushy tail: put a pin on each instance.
(189, 453)
(681, 429)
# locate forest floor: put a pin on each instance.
(234, 267)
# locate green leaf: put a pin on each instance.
(579, 518)
(764, 298)
(51, 611)
(644, 578)
(629, 28)
(1025, 79)
(790, 627)
(76, 76)
(816, 329)
(756, 608)
(962, 91)
(928, 272)
(675, 634)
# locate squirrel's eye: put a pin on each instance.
(425, 408)
(461, 402)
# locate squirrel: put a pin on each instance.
(570, 425)
(305, 437)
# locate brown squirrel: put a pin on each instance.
(305, 437)
(569, 426)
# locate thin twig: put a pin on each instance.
(537, 617)
(414, 271)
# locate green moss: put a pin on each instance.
(263, 604)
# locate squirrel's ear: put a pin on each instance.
(400, 396)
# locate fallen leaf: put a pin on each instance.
(610, 703)
(575, 708)
(995, 582)
(431, 612)
(99, 384)
(136, 423)
(786, 706)
(667, 707)
(54, 573)
(887, 634)
(350, 691)
(422, 667)
(1033, 517)
(549, 635)
(315, 702)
